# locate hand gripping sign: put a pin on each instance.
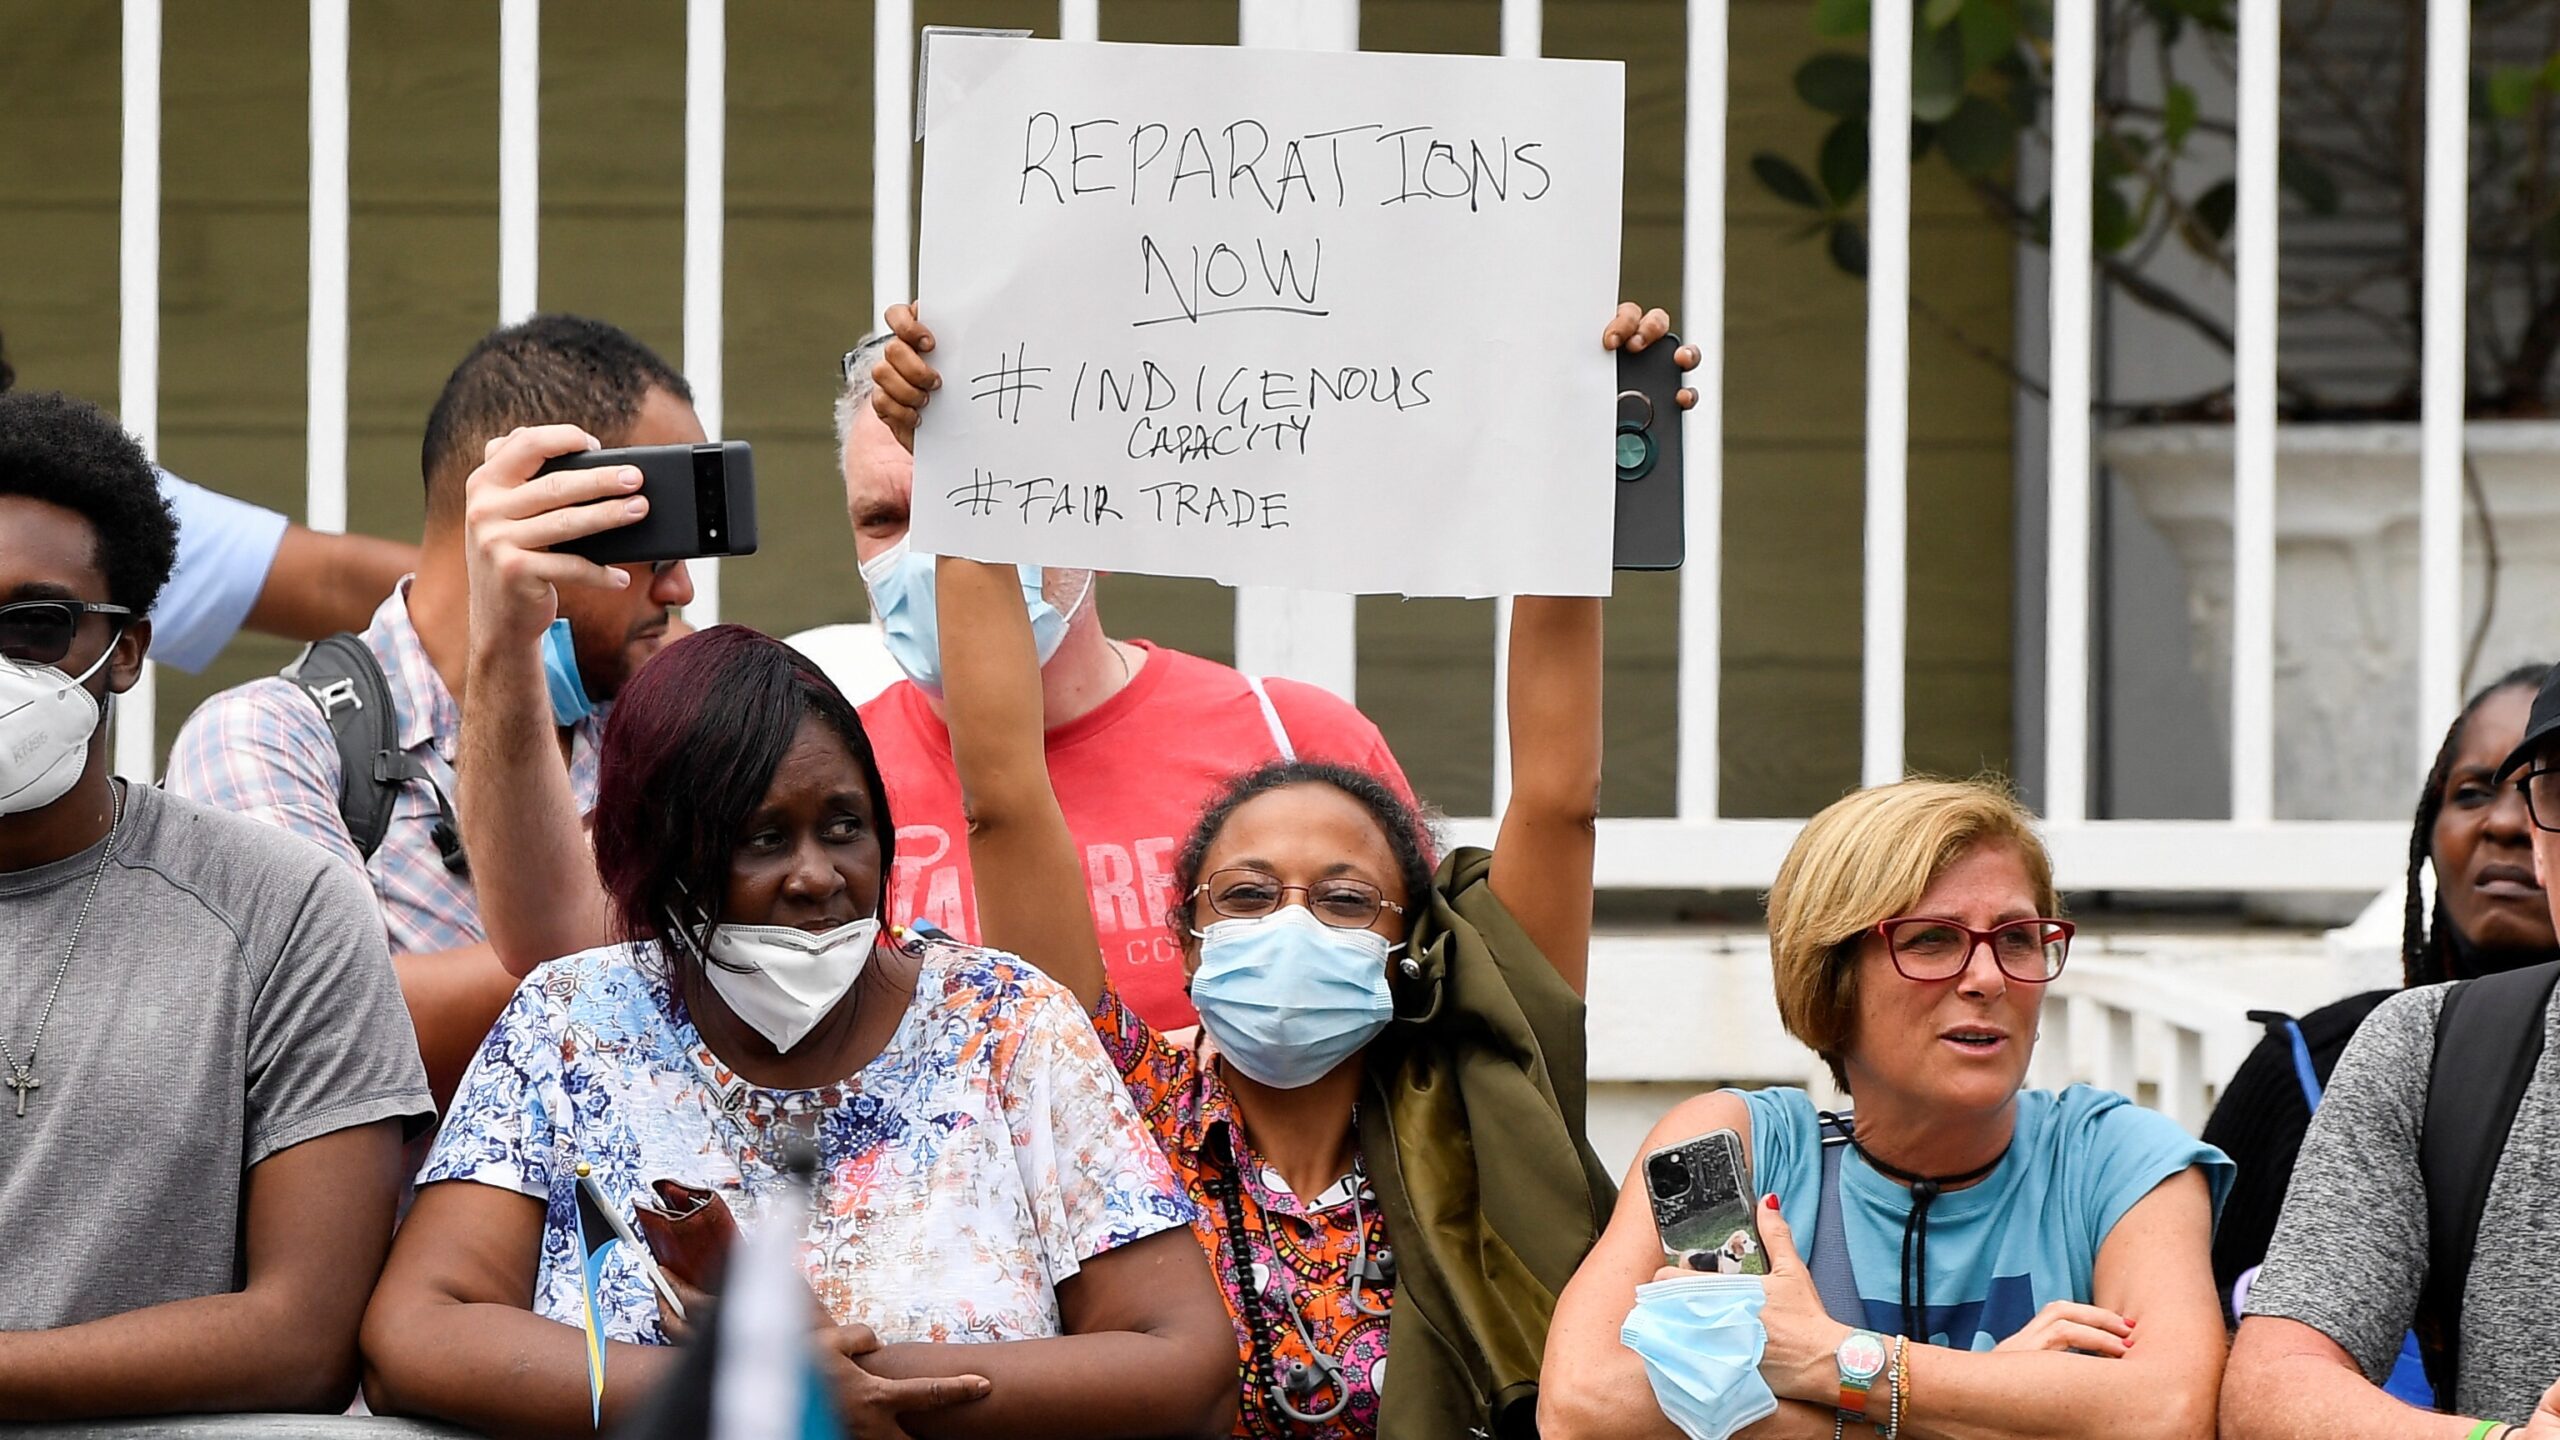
(1327, 321)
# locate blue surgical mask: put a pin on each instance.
(1287, 997)
(1701, 1339)
(902, 597)
(569, 701)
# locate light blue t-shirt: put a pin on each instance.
(2000, 1251)
(224, 549)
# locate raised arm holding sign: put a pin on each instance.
(1268, 316)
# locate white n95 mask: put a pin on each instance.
(46, 720)
(783, 980)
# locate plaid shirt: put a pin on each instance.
(264, 750)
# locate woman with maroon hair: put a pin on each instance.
(997, 1246)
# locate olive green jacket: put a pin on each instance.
(1492, 1194)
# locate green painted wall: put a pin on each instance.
(424, 286)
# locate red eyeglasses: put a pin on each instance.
(1927, 948)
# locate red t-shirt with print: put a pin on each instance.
(1132, 776)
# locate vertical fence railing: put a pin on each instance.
(2068, 418)
(2253, 381)
(519, 158)
(1524, 36)
(1888, 391)
(2441, 380)
(137, 722)
(1696, 764)
(706, 139)
(324, 484)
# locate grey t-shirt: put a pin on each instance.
(2350, 1253)
(230, 997)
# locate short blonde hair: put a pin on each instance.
(1865, 859)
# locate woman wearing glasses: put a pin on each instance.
(1382, 1120)
(1913, 936)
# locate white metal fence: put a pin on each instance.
(1311, 636)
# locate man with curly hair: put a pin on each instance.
(207, 1064)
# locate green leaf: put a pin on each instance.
(1938, 14)
(1781, 178)
(1838, 19)
(2511, 90)
(1844, 161)
(2216, 207)
(1990, 32)
(1849, 249)
(2111, 221)
(1978, 138)
(1834, 84)
(2307, 182)
(1937, 76)
(2178, 115)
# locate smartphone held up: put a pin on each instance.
(702, 503)
(1701, 1197)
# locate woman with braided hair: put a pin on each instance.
(2488, 915)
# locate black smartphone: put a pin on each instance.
(1702, 1206)
(702, 501)
(1650, 534)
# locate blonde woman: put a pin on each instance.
(2021, 1262)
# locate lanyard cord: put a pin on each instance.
(1227, 1187)
(1304, 1379)
(1925, 1190)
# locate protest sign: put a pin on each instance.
(1328, 321)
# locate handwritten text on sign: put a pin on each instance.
(1328, 321)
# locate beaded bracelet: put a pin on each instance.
(1900, 1381)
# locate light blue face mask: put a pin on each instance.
(1287, 997)
(901, 585)
(569, 701)
(1701, 1339)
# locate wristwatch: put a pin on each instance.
(1862, 1357)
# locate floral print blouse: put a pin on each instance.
(1302, 1253)
(976, 1162)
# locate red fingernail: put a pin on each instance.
(1771, 1202)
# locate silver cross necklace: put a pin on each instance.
(22, 1075)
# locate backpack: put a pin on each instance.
(2489, 1039)
(343, 678)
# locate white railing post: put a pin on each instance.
(2253, 529)
(1523, 36)
(1888, 389)
(1079, 19)
(2067, 416)
(706, 72)
(519, 157)
(1698, 765)
(325, 385)
(137, 719)
(2441, 388)
(1301, 634)
(893, 75)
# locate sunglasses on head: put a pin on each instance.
(39, 632)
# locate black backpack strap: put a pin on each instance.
(2489, 1038)
(343, 678)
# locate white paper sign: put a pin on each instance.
(1328, 321)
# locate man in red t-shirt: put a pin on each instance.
(1139, 737)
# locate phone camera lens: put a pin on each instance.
(1668, 1177)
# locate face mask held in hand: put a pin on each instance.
(1287, 997)
(783, 980)
(902, 597)
(46, 720)
(1700, 1338)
